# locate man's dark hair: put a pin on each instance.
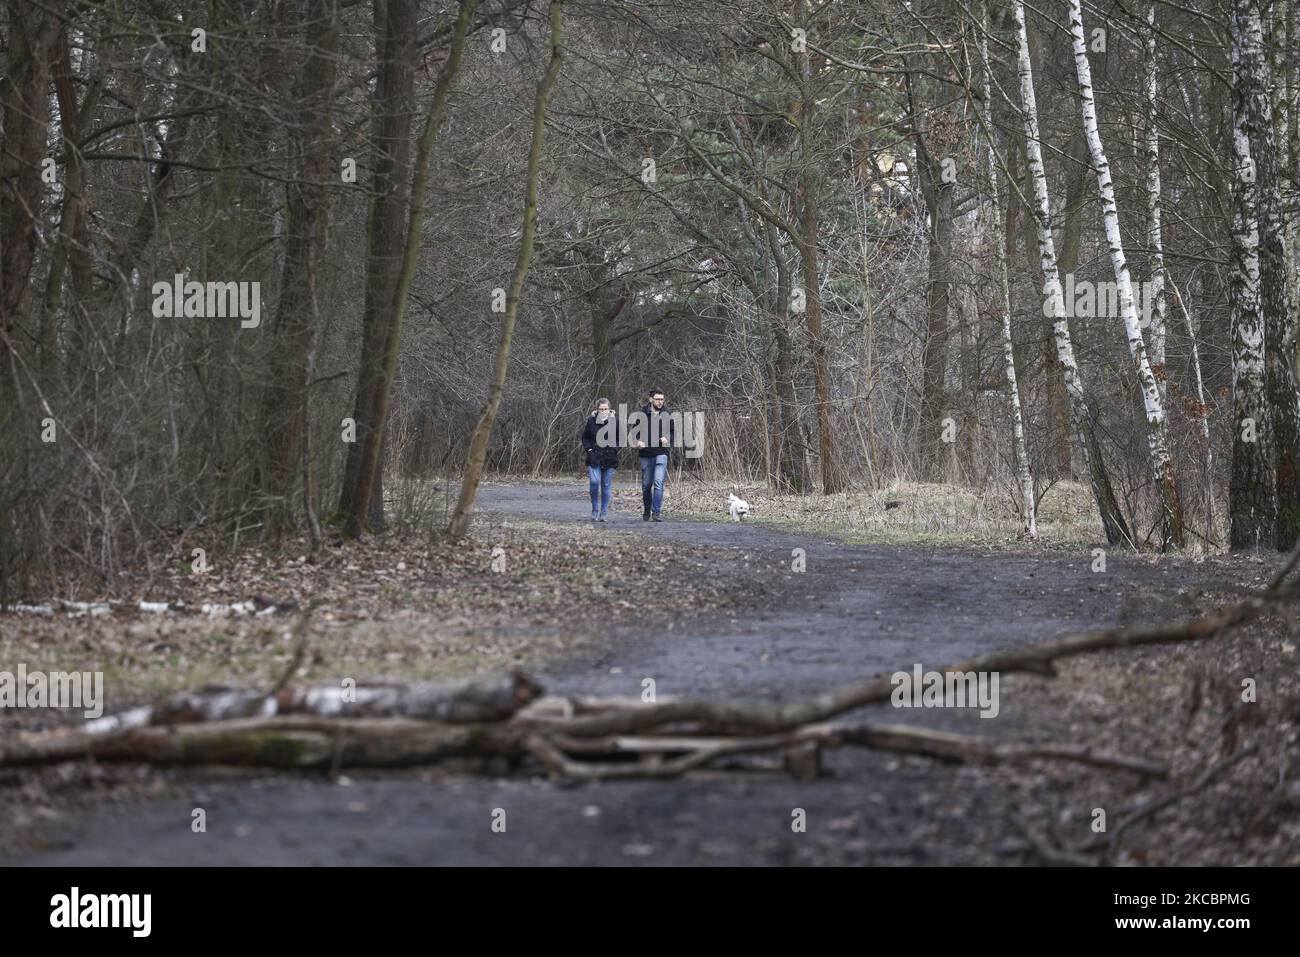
(654, 392)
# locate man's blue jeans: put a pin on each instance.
(600, 483)
(654, 469)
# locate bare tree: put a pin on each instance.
(1023, 476)
(460, 519)
(1080, 415)
(369, 465)
(1171, 521)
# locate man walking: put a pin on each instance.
(653, 455)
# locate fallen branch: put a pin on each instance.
(397, 725)
(316, 741)
(1039, 659)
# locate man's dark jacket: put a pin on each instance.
(667, 429)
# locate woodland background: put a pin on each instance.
(794, 216)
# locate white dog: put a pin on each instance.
(739, 508)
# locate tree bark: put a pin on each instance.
(1080, 415)
(1076, 201)
(460, 519)
(938, 296)
(370, 461)
(33, 32)
(806, 242)
(285, 400)
(72, 254)
(1155, 237)
(1264, 399)
(395, 34)
(1162, 469)
(1024, 478)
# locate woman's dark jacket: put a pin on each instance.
(601, 456)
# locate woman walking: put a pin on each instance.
(600, 440)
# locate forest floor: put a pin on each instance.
(705, 608)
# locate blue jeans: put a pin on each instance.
(600, 483)
(654, 469)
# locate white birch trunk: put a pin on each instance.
(1054, 299)
(1157, 445)
(1291, 67)
(1203, 410)
(1023, 475)
(1253, 83)
(1155, 239)
(1252, 503)
(1282, 16)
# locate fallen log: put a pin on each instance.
(303, 741)
(283, 742)
(476, 700)
(481, 699)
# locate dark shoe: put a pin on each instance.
(645, 516)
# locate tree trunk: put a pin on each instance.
(1076, 201)
(934, 353)
(285, 410)
(1080, 415)
(1171, 511)
(1252, 496)
(1155, 238)
(73, 250)
(1202, 408)
(604, 381)
(1279, 344)
(1024, 478)
(33, 32)
(460, 519)
(370, 466)
(809, 184)
(1291, 65)
(395, 33)
(790, 452)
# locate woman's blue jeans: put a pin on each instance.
(600, 483)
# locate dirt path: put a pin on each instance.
(854, 612)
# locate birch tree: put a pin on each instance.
(1253, 104)
(1155, 239)
(1080, 415)
(1024, 477)
(1171, 513)
(1252, 498)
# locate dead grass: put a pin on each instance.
(385, 607)
(926, 514)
